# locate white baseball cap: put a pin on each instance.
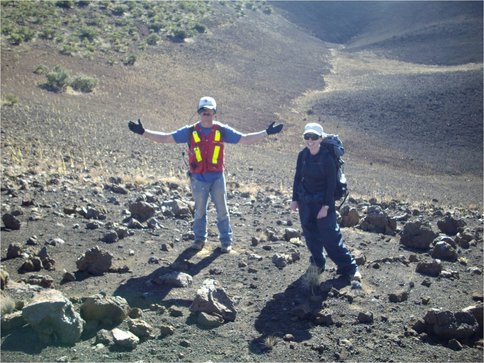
(207, 102)
(314, 128)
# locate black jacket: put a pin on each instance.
(315, 177)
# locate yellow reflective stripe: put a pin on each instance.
(196, 138)
(217, 135)
(216, 151)
(198, 154)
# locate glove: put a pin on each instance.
(271, 129)
(136, 128)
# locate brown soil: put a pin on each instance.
(413, 136)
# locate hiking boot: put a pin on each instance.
(197, 245)
(226, 249)
(356, 276)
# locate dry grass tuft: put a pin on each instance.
(7, 304)
(270, 342)
(311, 278)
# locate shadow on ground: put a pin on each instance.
(292, 312)
(23, 340)
(142, 291)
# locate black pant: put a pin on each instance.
(325, 233)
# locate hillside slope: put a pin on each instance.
(260, 68)
(401, 90)
(428, 32)
(71, 172)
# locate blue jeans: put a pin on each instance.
(325, 235)
(217, 191)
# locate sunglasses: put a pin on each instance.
(311, 137)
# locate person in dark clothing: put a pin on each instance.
(313, 195)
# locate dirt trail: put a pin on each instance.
(359, 71)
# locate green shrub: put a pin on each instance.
(58, 79)
(121, 22)
(129, 60)
(66, 4)
(15, 39)
(200, 28)
(153, 39)
(68, 49)
(82, 3)
(120, 9)
(96, 21)
(87, 32)
(250, 6)
(80, 26)
(179, 35)
(47, 33)
(84, 83)
(156, 26)
(20, 35)
(10, 100)
(41, 69)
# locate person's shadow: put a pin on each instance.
(292, 312)
(142, 291)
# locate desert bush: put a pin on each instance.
(121, 22)
(119, 9)
(88, 32)
(15, 39)
(267, 10)
(96, 20)
(68, 49)
(111, 61)
(58, 79)
(82, 3)
(200, 28)
(250, 6)
(84, 83)
(10, 100)
(153, 39)
(179, 35)
(7, 304)
(136, 12)
(47, 33)
(156, 26)
(20, 35)
(270, 342)
(120, 47)
(311, 277)
(78, 25)
(129, 60)
(41, 69)
(66, 4)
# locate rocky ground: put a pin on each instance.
(277, 314)
(104, 218)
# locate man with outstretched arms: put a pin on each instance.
(206, 139)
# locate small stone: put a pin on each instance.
(454, 344)
(288, 337)
(166, 330)
(365, 317)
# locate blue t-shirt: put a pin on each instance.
(231, 136)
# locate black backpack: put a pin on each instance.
(341, 191)
(336, 149)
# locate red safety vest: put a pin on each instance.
(206, 152)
